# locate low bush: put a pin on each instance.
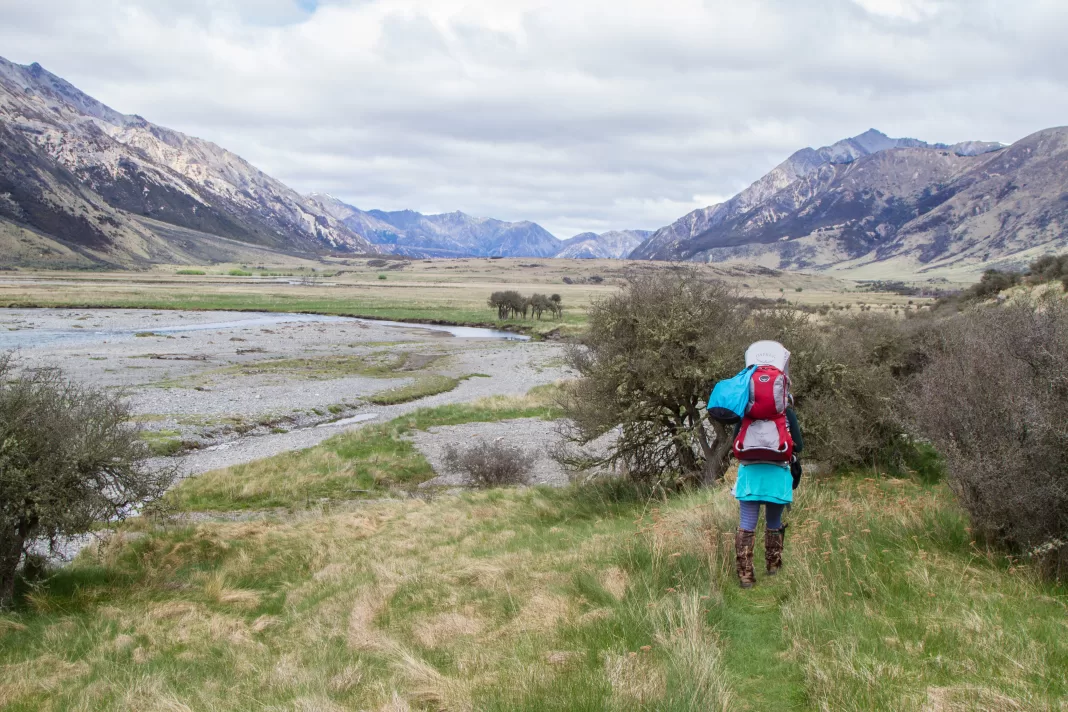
(239, 273)
(490, 463)
(993, 402)
(191, 271)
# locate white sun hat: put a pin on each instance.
(770, 353)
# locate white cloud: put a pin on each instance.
(581, 115)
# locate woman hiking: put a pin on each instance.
(767, 444)
(770, 484)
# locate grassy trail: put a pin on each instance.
(756, 652)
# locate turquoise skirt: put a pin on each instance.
(764, 482)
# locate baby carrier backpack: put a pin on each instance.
(764, 435)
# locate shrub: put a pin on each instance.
(1049, 268)
(190, 271)
(847, 381)
(69, 458)
(647, 362)
(239, 273)
(490, 464)
(382, 276)
(991, 284)
(993, 402)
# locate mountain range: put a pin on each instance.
(879, 206)
(615, 244)
(457, 234)
(82, 185)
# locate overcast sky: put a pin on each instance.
(577, 114)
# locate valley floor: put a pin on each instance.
(327, 579)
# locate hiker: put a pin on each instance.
(770, 484)
(767, 441)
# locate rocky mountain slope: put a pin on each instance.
(91, 183)
(877, 205)
(616, 244)
(446, 235)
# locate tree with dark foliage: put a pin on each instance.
(69, 458)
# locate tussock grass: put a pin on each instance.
(162, 442)
(585, 598)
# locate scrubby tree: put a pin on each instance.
(69, 458)
(993, 401)
(539, 304)
(647, 363)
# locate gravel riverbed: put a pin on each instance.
(235, 387)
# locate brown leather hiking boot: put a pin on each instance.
(743, 554)
(773, 543)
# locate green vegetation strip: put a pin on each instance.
(367, 462)
(184, 297)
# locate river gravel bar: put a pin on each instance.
(230, 387)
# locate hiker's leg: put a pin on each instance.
(774, 530)
(749, 514)
(773, 515)
(744, 541)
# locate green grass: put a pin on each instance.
(424, 385)
(391, 307)
(162, 443)
(367, 462)
(583, 598)
(191, 271)
(239, 273)
(591, 598)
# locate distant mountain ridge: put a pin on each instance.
(615, 244)
(83, 179)
(875, 203)
(458, 234)
(455, 234)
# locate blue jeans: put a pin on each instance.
(750, 513)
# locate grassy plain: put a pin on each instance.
(453, 291)
(588, 598)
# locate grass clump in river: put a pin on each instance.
(162, 443)
(583, 598)
(430, 384)
(378, 364)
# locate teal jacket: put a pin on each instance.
(769, 481)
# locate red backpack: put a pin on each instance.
(769, 390)
(764, 440)
(764, 434)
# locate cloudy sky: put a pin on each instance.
(578, 114)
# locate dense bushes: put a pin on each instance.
(653, 352)
(994, 401)
(648, 360)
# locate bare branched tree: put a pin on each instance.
(993, 401)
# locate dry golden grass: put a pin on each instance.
(586, 598)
